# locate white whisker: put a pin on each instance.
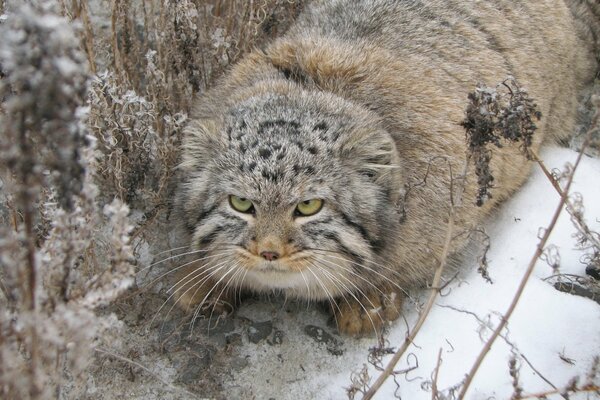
(199, 272)
(350, 292)
(170, 271)
(199, 307)
(329, 296)
(378, 273)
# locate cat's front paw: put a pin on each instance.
(365, 315)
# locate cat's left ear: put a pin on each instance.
(202, 142)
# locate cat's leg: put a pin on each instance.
(366, 314)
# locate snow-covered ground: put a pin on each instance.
(557, 333)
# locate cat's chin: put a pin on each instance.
(271, 277)
(294, 283)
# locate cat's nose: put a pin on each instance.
(269, 255)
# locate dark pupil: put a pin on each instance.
(242, 199)
(306, 202)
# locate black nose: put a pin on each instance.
(269, 255)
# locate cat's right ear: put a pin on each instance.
(202, 142)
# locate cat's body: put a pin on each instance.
(357, 103)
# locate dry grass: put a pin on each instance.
(91, 122)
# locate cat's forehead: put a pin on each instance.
(277, 147)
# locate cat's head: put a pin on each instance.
(293, 191)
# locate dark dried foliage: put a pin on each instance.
(496, 116)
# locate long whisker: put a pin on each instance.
(199, 307)
(334, 266)
(197, 273)
(329, 296)
(197, 285)
(182, 255)
(169, 250)
(206, 275)
(369, 269)
(338, 253)
(307, 289)
(170, 271)
(225, 286)
(350, 292)
(239, 285)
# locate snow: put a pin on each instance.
(546, 325)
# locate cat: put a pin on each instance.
(301, 167)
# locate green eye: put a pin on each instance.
(309, 207)
(241, 204)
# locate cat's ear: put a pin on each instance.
(373, 154)
(202, 141)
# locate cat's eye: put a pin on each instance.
(308, 207)
(241, 204)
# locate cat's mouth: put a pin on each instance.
(274, 266)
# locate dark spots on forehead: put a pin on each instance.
(264, 153)
(312, 150)
(321, 126)
(325, 133)
(270, 175)
(238, 134)
(277, 123)
(299, 144)
(251, 166)
(307, 169)
(329, 137)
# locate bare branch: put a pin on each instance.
(539, 251)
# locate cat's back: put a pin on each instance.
(549, 46)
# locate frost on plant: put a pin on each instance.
(44, 87)
(51, 281)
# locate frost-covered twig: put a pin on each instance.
(47, 163)
(539, 251)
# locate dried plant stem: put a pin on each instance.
(29, 276)
(434, 386)
(118, 64)
(89, 36)
(540, 375)
(389, 369)
(540, 162)
(543, 395)
(539, 251)
(137, 364)
(546, 172)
